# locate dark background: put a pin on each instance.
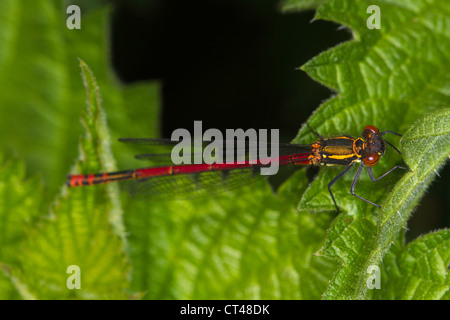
(228, 63)
(231, 64)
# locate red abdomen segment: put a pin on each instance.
(78, 180)
(100, 178)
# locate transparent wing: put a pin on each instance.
(165, 145)
(189, 186)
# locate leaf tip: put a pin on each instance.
(318, 253)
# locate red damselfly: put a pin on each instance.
(171, 181)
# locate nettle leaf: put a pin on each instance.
(425, 261)
(41, 98)
(426, 146)
(417, 271)
(387, 77)
(244, 244)
(20, 205)
(41, 95)
(83, 228)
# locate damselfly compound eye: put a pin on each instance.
(371, 128)
(371, 160)
(369, 131)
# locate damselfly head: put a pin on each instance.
(374, 146)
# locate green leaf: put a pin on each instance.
(419, 270)
(426, 260)
(41, 95)
(387, 77)
(20, 205)
(83, 228)
(246, 244)
(426, 146)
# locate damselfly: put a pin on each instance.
(191, 179)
